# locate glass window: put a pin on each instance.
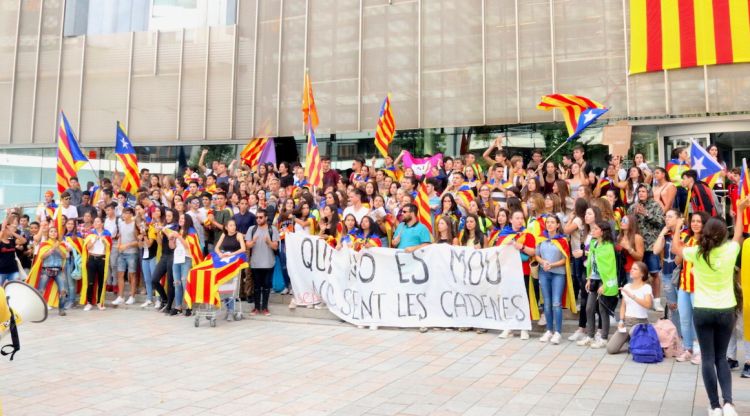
(87, 17)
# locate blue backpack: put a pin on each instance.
(644, 344)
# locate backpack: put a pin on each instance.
(644, 344)
(75, 265)
(669, 338)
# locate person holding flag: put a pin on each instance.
(50, 263)
(525, 243)
(552, 254)
(187, 252)
(96, 250)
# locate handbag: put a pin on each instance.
(676, 276)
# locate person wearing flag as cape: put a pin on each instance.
(49, 263)
(96, 250)
(525, 243)
(552, 254)
(187, 252)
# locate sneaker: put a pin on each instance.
(542, 321)
(61, 312)
(101, 307)
(729, 409)
(423, 329)
(745, 371)
(118, 301)
(87, 307)
(254, 312)
(733, 364)
(188, 312)
(49, 308)
(715, 412)
(157, 305)
(599, 343)
(546, 337)
(266, 312)
(657, 305)
(597, 336)
(373, 327)
(480, 331)
(584, 342)
(360, 327)
(507, 333)
(685, 356)
(292, 304)
(146, 304)
(576, 335)
(320, 306)
(130, 301)
(524, 335)
(696, 359)
(174, 312)
(284, 292)
(555, 338)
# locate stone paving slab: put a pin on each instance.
(134, 362)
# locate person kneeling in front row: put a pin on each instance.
(637, 300)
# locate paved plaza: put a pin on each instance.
(133, 362)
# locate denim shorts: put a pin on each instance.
(652, 261)
(127, 261)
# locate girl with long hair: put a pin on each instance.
(370, 234)
(637, 300)
(187, 253)
(630, 243)
(97, 247)
(552, 256)
(471, 235)
(49, 264)
(445, 231)
(713, 260)
(150, 243)
(663, 189)
(165, 263)
(601, 284)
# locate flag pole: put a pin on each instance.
(552, 154)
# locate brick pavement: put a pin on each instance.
(132, 362)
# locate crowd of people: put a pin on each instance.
(613, 243)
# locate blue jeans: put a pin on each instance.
(7, 277)
(670, 294)
(148, 266)
(687, 327)
(552, 289)
(59, 279)
(180, 275)
(72, 285)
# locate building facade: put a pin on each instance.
(190, 73)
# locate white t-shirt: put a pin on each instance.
(632, 308)
(179, 252)
(70, 212)
(358, 214)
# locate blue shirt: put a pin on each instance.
(548, 251)
(244, 221)
(412, 236)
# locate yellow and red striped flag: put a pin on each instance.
(205, 277)
(571, 107)
(423, 206)
(50, 292)
(745, 256)
(125, 151)
(70, 158)
(667, 34)
(250, 155)
(313, 170)
(386, 127)
(309, 110)
(58, 222)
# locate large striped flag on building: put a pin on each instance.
(571, 107)
(745, 259)
(423, 206)
(125, 151)
(70, 158)
(250, 155)
(205, 277)
(313, 170)
(386, 127)
(667, 34)
(309, 110)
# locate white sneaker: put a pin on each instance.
(524, 335)
(542, 321)
(507, 333)
(729, 410)
(715, 412)
(284, 292)
(320, 306)
(584, 342)
(576, 336)
(292, 304)
(600, 343)
(118, 301)
(146, 304)
(157, 305)
(546, 337)
(598, 336)
(360, 327)
(373, 327)
(130, 301)
(87, 307)
(555, 338)
(657, 305)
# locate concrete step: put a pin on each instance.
(280, 311)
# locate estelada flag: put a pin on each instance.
(205, 278)
(571, 107)
(70, 158)
(125, 152)
(250, 155)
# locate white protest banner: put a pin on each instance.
(437, 286)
